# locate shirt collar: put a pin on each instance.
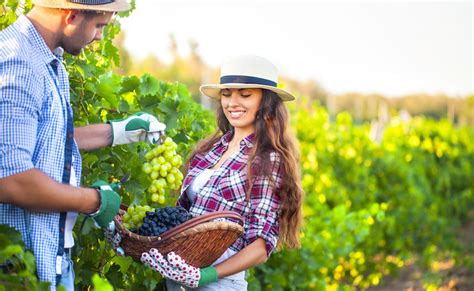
(247, 141)
(27, 28)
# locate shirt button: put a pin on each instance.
(70, 135)
(62, 229)
(68, 167)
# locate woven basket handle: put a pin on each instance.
(200, 219)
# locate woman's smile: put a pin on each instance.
(236, 114)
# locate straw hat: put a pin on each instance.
(247, 71)
(95, 5)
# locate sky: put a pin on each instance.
(393, 48)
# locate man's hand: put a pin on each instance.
(109, 203)
(176, 269)
(137, 127)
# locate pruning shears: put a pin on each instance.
(118, 185)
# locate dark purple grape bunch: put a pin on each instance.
(162, 219)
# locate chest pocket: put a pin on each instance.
(51, 119)
(51, 108)
(234, 186)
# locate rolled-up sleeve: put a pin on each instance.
(20, 105)
(265, 207)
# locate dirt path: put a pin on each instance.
(459, 278)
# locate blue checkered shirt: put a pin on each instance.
(34, 105)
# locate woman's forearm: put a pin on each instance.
(252, 255)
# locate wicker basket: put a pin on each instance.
(199, 241)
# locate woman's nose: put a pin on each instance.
(233, 100)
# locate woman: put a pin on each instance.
(248, 166)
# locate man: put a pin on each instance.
(40, 163)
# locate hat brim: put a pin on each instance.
(214, 90)
(116, 6)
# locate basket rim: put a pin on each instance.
(198, 223)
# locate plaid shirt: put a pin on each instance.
(227, 189)
(34, 111)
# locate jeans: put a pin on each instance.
(67, 272)
(221, 285)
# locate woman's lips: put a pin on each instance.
(236, 114)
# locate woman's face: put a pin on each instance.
(240, 107)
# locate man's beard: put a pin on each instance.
(70, 50)
(75, 52)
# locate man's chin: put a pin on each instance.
(74, 52)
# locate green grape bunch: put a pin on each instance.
(133, 218)
(162, 166)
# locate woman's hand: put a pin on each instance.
(176, 269)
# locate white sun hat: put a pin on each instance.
(247, 71)
(95, 5)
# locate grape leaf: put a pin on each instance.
(101, 283)
(129, 84)
(148, 85)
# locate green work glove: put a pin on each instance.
(137, 127)
(176, 269)
(109, 203)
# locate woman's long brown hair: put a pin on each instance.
(271, 135)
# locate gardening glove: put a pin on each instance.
(137, 127)
(109, 203)
(114, 238)
(176, 269)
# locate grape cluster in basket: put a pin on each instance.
(133, 218)
(162, 166)
(162, 219)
